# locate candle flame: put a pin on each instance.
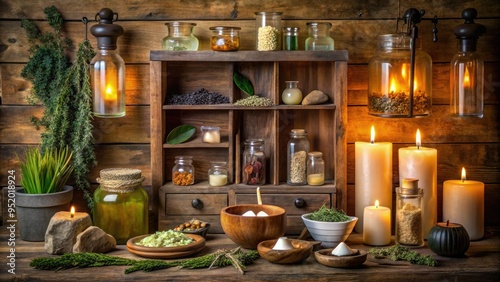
(72, 211)
(376, 203)
(110, 93)
(392, 86)
(463, 174)
(404, 71)
(372, 135)
(466, 78)
(418, 139)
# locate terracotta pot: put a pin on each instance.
(34, 211)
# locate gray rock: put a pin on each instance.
(94, 240)
(62, 231)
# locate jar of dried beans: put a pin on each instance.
(254, 162)
(409, 230)
(298, 147)
(183, 171)
(268, 30)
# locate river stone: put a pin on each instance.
(315, 97)
(94, 240)
(62, 231)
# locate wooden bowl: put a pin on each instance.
(200, 231)
(166, 252)
(325, 257)
(249, 231)
(300, 252)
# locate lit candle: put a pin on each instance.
(210, 134)
(463, 203)
(62, 230)
(377, 225)
(421, 163)
(373, 173)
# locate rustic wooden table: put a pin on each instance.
(482, 263)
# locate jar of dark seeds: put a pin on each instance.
(298, 147)
(254, 162)
(409, 214)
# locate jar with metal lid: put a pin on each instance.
(254, 162)
(315, 168)
(268, 31)
(121, 204)
(319, 36)
(180, 37)
(183, 171)
(225, 38)
(217, 174)
(290, 38)
(292, 95)
(298, 147)
(409, 231)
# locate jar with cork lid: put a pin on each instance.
(409, 231)
(121, 204)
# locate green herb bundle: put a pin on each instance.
(398, 252)
(328, 215)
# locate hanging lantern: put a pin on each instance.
(107, 68)
(467, 69)
(400, 76)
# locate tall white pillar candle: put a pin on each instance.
(421, 163)
(373, 180)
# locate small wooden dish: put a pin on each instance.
(166, 252)
(200, 231)
(325, 257)
(300, 252)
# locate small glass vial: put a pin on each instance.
(180, 37)
(291, 95)
(319, 36)
(409, 231)
(121, 204)
(183, 171)
(268, 31)
(254, 162)
(298, 147)
(291, 38)
(225, 38)
(217, 174)
(315, 169)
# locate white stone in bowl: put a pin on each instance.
(262, 213)
(249, 213)
(283, 244)
(343, 250)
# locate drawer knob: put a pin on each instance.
(197, 204)
(299, 203)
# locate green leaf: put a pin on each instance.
(243, 83)
(180, 134)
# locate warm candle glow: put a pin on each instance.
(418, 141)
(110, 94)
(376, 203)
(372, 135)
(463, 174)
(392, 87)
(72, 211)
(466, 78)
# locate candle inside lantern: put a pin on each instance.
(210, 134)
(377, 225)
(421, 163)
(463, 203)
(373, 167)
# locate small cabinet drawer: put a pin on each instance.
(295, 204)
(194, 204)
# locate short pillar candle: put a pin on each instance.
(377, 225)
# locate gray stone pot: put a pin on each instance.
(34, 211)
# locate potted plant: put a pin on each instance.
(44, 191)
(330, 226)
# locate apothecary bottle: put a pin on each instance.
(254, 162)
(290, 38)
(389, 79)
(292, 95)
(121, 204)
(409, 230)
(268, 31)
(217, 174)
(319, 36)
(183, 171)
(315, 168)
(180, 37)
(298, 148)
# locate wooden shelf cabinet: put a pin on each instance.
(180, 72)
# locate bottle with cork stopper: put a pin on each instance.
(409, 230)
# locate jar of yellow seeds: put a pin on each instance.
(121, 204)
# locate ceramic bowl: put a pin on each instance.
(249, 231)
(300, 252)
(329, 233)
(325, 257)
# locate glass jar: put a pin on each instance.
(225, 38)
(319, 36)
(291, 38)
(268, 31)
(291, 95)
(180, 37)
(389, 79)
(121, 204)
(315, 168)
(183, 171)
(217, 174)
(409, 230)
(254, 162)
(298, 147)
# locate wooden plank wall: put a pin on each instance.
(473, 143)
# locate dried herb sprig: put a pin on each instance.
(398, 252)
(328, 215)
